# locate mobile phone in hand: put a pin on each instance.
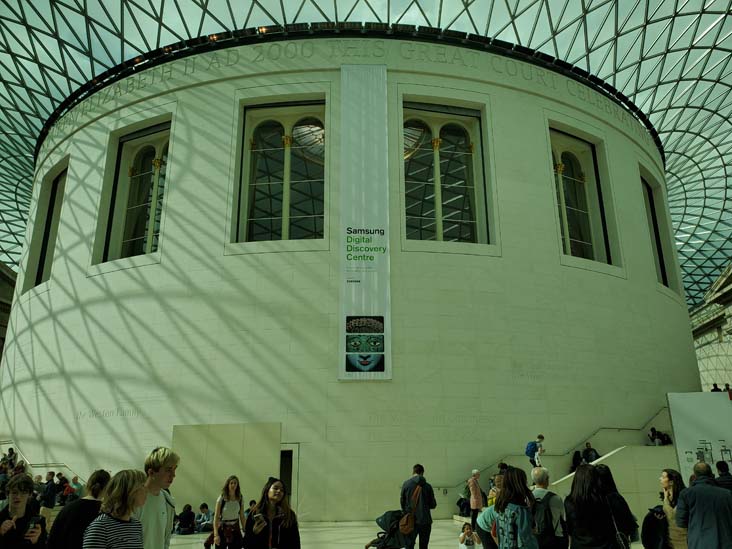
(34, 521)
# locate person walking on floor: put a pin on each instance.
(476, 496)
(228, 515)
(513, 513)
(417, 496)
(272, 523)
(706, 510)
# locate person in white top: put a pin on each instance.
(159, 510)
(468, 538)
(229, 516)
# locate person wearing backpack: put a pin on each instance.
(418, 497)
(548, 512)
(534, 449)
(513, 524)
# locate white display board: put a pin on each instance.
(365, 324)
(702, 424)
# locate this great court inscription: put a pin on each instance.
(318, 54)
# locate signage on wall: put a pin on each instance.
(702, 432)
(364, 325)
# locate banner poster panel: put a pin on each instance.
(365, 319)
(702, 424)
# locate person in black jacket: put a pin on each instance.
(67, 531)
(624, 520)
(724, 479)
(19, 524)
(589, 518)
(272, 523)
(425, 501)
(706, 510)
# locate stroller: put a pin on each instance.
(390, 537)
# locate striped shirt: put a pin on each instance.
(107, 532)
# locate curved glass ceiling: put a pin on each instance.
(670, 57)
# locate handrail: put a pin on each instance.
(45, 465)
(494, 465)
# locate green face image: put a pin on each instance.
(365, 343)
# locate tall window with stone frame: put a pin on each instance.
(444, 192)
(45, 230)
(652, 216)
(582, 225)
(282, 189)
(137, 193)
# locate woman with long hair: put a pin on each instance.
(272, 523)
(589, 520)
(513, 510)
(229, 515)
(625, 522)
(68, 529)
(115, 527)
(672, 484)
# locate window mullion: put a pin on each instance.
(438, 188)
(287, 141)
(157, 164)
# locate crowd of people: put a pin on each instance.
(716, 389)
(134, 509)
(523, 514)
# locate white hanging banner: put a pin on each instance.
(365, 323)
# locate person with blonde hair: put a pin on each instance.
(158, 513)
(116, 527)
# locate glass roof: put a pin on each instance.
(672, 58)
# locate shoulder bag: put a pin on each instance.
(406, 523)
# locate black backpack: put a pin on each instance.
(544, 521)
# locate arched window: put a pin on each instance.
(142, 176)
(577, 216)
(45, 230)
(582, 225)
(136, 197)
(285, 167)
(442, 204)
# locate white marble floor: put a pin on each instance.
(342, 535)
(348, 535)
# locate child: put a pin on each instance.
(468, 538)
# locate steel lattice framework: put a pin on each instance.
(672, 58)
